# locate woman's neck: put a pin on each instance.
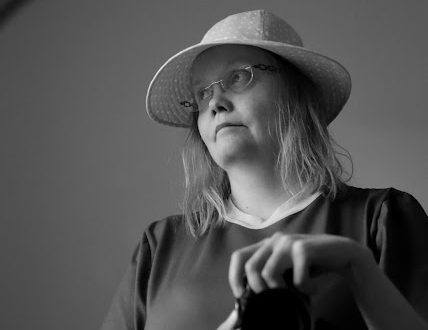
(257, 190)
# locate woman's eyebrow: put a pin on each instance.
(234, 63)
(195, 82)
(237, 62)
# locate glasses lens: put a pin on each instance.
(239, 79)
(236, 81)
(202, 97)
(204, 94)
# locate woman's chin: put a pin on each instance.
(231, 152)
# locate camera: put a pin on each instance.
(280, 308)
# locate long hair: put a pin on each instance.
(307, 159)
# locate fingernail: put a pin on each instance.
(239, 292)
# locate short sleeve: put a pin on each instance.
(401, 239)
(128, 308)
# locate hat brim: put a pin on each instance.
(171, 83)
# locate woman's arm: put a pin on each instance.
(381, 304)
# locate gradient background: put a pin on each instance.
(83, 169)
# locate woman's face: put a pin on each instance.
(235, 125)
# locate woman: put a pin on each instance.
(264, 195)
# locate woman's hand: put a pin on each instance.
(309, 256)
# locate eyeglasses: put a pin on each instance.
(236, 80)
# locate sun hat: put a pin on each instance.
(170, 86)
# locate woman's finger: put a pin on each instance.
(300, 259)
(230, 322)
(254, 266)
(237, 267)
(279, 261)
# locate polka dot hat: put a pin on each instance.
(169, 88)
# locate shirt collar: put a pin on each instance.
(293, 205)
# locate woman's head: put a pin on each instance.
(235, 97)
(279, 117)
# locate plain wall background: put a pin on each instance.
(83, 169)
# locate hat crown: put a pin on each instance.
(253, 25)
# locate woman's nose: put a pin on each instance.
(219, 100)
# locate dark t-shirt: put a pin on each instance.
(178, 282)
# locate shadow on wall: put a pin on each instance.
(9, 8)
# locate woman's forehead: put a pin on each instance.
(221, 57)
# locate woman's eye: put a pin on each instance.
(203, 94)
(239, 78)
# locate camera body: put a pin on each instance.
(280, 308)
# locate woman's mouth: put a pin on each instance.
(223, 125)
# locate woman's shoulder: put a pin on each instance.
(172, 223)
(376, 195)
(373, 200)
(169, 229)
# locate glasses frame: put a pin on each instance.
(192, 105)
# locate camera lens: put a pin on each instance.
(272, 309)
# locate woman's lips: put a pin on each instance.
(219, 127)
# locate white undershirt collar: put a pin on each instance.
(291, 206)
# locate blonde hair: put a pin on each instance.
(307, 159)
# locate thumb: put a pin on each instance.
(230, 322)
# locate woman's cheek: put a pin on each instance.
(203, 129)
